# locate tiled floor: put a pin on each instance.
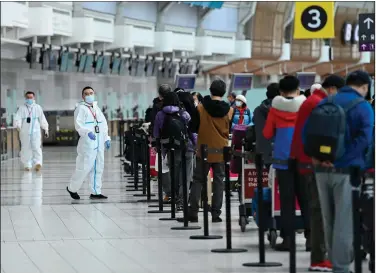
(43, 230)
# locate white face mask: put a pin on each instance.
(238, 103)
(196, 103)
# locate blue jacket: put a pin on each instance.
(247, 117)
(359, 132)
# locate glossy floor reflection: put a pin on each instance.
(42, 230)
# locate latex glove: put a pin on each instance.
(108, 144)
(92, 136)
(46, 134)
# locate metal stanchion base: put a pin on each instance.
(159, 211)
(118, 155)
(142, 195)
(266, 264)
(203, 237)
(167, 219)
(231, 250)
(186, 228)
(148, 201)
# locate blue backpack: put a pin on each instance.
(325, 130)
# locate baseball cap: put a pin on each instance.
(333, 81)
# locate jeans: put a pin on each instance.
(189, 170)
(336, 206)
(199, 179)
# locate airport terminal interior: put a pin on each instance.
(63, 59)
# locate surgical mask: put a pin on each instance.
(238, 103)
(29, 101)
(196, 103)
(89, 99)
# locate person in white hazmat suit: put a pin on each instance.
(91, 125)
(28, 120)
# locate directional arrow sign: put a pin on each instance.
(368, 21)
(367, 31)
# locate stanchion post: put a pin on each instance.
(135, 159)
(204, 175)
(160, 189)
(293, 169)
(185, 190)
(228, 249)
(172, 179)
(146, 173)
(144, 151)
(261, 218)
(120, 139)
(355, 180)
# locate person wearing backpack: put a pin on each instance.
(172, 121)
(330, 86)
(158, 103)
(337, 134)
(242, 114)
(280, 125)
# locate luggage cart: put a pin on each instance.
(247, 189)
(273, 220)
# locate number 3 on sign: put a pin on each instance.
(314, 20)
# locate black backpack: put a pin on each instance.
(174, 127)
(325, 130)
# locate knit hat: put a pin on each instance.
(315, 87)
(241, 98)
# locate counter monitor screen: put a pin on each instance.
(115, 66)
(81, 65)
(186, 81)
(306, 80)
(64, 60)
(123, 67)
(88, 64)
(241, 82)
(99, 65)
(70, 62)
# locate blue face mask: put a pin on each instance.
(29, 101)
(89, 99)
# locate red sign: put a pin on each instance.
(277, 203)
(250, 181)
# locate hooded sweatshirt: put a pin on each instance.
(280, 124)
(159, 121)
(297, 148)
(215, 117)
(263, 145)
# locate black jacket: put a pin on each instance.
(260, 115)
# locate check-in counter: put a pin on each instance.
(10, 144)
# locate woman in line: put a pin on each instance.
(198, 98)
(242, 114)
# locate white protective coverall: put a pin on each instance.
(90, 158)
(30, 133)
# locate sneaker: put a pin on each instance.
(216, 219)
(74, 195)
(166, 198)
(179, 207)
(27, 169)
(98, 196)
(38, 167)
(324, 266)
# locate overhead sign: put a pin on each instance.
(366, 32)
(314, 20)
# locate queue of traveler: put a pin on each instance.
(282, 125)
